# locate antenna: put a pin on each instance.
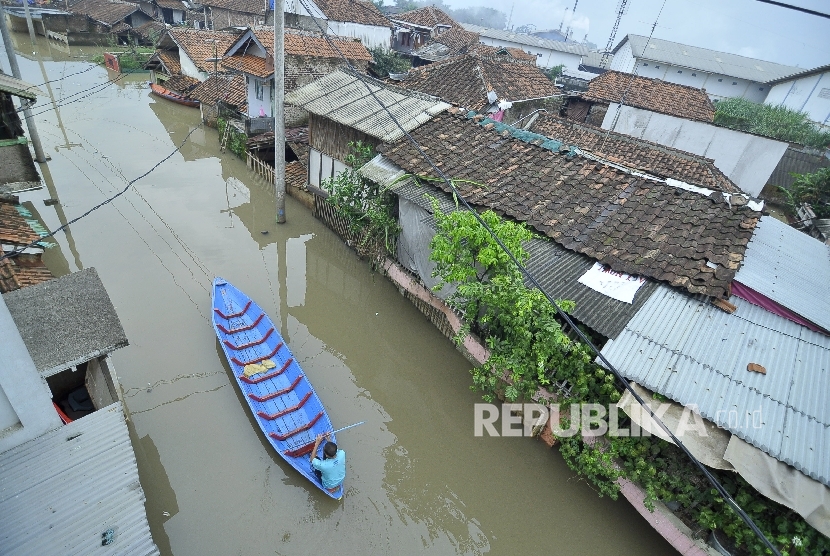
(510, 17)
(621, 9)
(573, 14)
(564, 15)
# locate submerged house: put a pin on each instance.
(308, 57)
(342, 108)
(17, 169)
(95, 21)
(189, 52)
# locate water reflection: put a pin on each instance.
(178, 121)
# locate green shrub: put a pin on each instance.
(776, 122)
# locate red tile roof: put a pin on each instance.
(465, 80)
(428, 16)
(181, 84)
(229, 88)
(170, 60)
(22, 271)
(634, 225)
(636, 154)
(457, 39)
(296, 174)
(353, 11)
(198, 45)
(248, 63)
(651, 94)
(14, 227)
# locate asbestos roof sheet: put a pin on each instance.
(61, 491)
(790, 268)
(629, 222)
(651, 94)
(529, 40)
(18, 87)
(342, 97)
(66, 321)
(694, 353)
(707, 60)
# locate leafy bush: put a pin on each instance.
(387, 61)
(813, 189)
(369, 209)
(776, 122)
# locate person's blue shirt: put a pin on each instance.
(333, 470)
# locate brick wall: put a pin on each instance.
(221, 18)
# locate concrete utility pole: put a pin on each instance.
(279, 110)
(27, 113)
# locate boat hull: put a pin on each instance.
(158, 90)
(280, 397)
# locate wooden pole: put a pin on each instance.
(279, 109)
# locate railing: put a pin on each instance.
(261, 168)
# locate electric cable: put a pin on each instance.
(562, 314)
(796, 8)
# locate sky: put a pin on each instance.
(745, 27)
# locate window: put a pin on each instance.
(656, 67)
(719, 80)
(824, 93)
(258, 89)
(760, 88)
(734, 82)
(645, 64)
(679, 71)
(694, 75)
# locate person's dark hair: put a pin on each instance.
(330, 449)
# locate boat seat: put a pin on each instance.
(249, 344)
(276, 394)
(233, 315)
(257, 359)
(241, 328)
(286, 411)
(269, 376)
(298, 430)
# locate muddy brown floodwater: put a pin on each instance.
(418, 480)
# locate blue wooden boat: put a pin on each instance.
(281, 398)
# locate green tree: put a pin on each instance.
(813, 189)
(385, 61)
(554, 72)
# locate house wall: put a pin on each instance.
(370, 35)
(332, 138)
(221, 18)
(717, 86)
(322, 167)
(189, 68)
(545, 57)
(809, 94)
(267, 100)
(747, 159)
(26, 409)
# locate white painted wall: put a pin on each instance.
(717, 86)
(178, 16)
(545, 57)
(809, 94)
(747, 159)
(189, 68)
(322, 166)
(26, 409)
(624, 60)
(370, 35)
(254, 103)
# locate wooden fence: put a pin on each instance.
(261, 168)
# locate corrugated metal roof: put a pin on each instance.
(554, 267)
(66, 321)
(695, 353)
(61, 491)
(790, 268)
(558, 270)
(799, 75)
(18, 87)
(529, 40)
(703, 59)
(341, 96)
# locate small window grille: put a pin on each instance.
(679, 71)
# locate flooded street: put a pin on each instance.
(418, 480)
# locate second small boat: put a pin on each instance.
(172, 96)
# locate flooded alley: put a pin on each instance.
(418, 480)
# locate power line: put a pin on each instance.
(564, 316)
(796, 8)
